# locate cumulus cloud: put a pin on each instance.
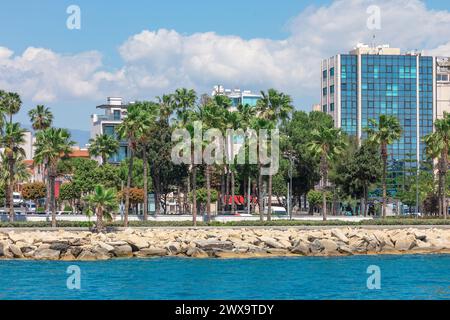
(157, 61)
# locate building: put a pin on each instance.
(237, 96)
(442, 86)
(371, 81)
(114, 113)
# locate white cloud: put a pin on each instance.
(162, 60)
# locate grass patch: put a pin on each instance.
(276, 223)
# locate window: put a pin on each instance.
(324, 108)
(332, 72)
(324, 74)
(109, 130)
(117, 115)
(331, 107)
(331, 89)
(324, 91)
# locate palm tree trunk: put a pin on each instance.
(144, 160)
(11, 187)
(127, 192)
(208, 191)
(233, 202)
(194, 195)
(269, 204)
(260, 195)
(222, 191)
(384, 158)
(324, 169)
(52, 197)
(186, 196)
(444, 180)
(227, 187)
(99, 219)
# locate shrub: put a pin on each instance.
(34, 191)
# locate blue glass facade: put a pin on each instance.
(349, 94)
(398, 85)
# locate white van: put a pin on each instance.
(17, 199)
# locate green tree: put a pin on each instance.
(383, 133)
(104, 146)
(103, 200)
(438, 147)
(276, 107)
(12, 141)
(326, 144)
(131, 129)
(150, 113)
(10, 104)
(41, 118)
(51, 145)
(69, 191)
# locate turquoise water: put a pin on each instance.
(402, 277)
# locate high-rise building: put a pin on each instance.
(114, 113)
(371, 81)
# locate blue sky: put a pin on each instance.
(140, 49)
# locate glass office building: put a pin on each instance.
(372, 81)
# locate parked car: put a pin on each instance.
(30, 207)
(278, 211)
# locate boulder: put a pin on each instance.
(329, 246)
(174, 247)
(87, 255)
(271, 242)
(152, 252)
(46, 254)
(105, 246)
(316, 246)
(60, 246)
(67, 256)
(345, 250)
(197, 253)
(301, 248)
(76, 250)
(123, 251)
(16, 251)
(405, 243)
(214, 244)
(337, 233)
(420, 235)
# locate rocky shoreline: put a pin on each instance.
(220, 243)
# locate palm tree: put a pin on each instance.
(183, 104)
(383, 133)
(21, 172)
(102, 200)
(326, 144)
(12, 140)
(213, 117)
(438, 147)
(258, 124)
(10, 104)
(103, 145)
(41, 118)
(132, 129)
(184, 100)
(2, 111)
(274, 106)
(52, 144)
(150, 112)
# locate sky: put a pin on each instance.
(141, 49)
